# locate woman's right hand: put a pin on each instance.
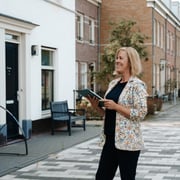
(94, 101)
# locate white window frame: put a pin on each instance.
(80, 26)
(168, 40)
(83, 75)
(178, 46)
(162, 36)
(172, 42)
(48, 68)
(91, 31)
(158, 34)
(77, 79)
(155, 25)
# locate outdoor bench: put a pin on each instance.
(165, 97)
(61, 112)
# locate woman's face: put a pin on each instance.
(122, 63)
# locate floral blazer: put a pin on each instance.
(128, 135)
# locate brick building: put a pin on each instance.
(87, 41)
(156, 20)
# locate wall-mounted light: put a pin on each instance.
(162, 64)
(34, 50)
(161, 67)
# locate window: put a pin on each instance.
(155, 32)
(83, 75)
(172, 42)
(80, 27)
(91, 31)
(178, 46)
(77, 80)
(47, 78)
(158, 34)
(12, 37)
(91, 78)
(162, 37)
(168, 40)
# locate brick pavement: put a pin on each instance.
(160, 160)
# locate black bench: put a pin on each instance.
(61, 112)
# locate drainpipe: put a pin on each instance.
(175, 54)
(175, 60)
(99, 32)
(165, 55)
(99, 38)
(153, 50)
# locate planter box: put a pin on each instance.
(154, 104)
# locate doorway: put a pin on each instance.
(12, 88)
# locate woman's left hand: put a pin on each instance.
(110, 104)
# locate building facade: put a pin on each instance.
(37, 60)
(45, 57)
(166, 29)
(156, 20)
(87, 42)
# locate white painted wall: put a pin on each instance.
(2, 75)
(57, 30)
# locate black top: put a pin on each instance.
(110, 115)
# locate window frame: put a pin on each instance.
(83, 75)
(154, 33)
(80, 26)
(162, 37)
(91, 31)
(158, 34)
(50, 69)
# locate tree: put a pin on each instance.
(123, 34)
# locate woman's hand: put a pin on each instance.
(95, 103)
(110, 104)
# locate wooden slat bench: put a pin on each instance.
(61, 112)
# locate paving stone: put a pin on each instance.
(160, 160)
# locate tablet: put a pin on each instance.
(88, 92)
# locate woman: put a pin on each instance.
(125, 106)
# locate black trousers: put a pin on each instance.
(111, 158)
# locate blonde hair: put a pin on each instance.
(134, 60)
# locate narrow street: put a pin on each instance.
(159, 160)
